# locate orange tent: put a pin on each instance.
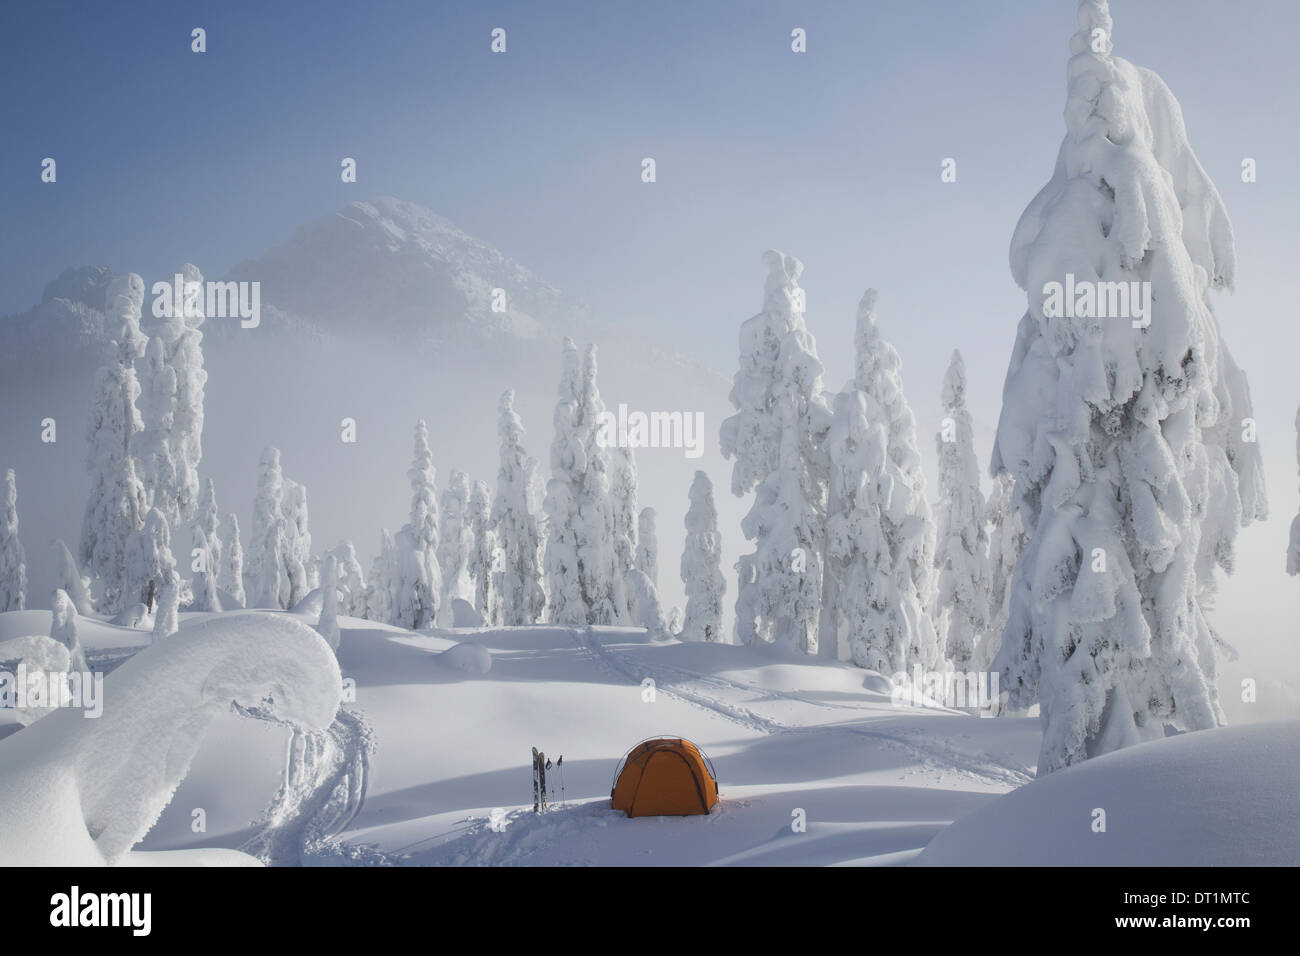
(664, 776)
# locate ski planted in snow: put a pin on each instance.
(537, 797)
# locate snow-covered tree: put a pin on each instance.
(455, 541)
(207, 519)
(297, 558)
(13, 562)
(379, 585)
(514, 521)
(564, 594)
(776, 438)
(1007, 539)
(644, 606)
(701, 566)
(185, 356)
(69, 578)
(169, 445)
(1293, 551)
(116, 506)
(166, 619)
(961, 551)
(564, 597)
(63, 628)
(150, 567)
(352, 583)
(647, 546)
(602, 526)
(327, 626)
(581, 558)
(230, 577)
(623, 506)
(151, 446)
(483, 555)
(417, 580)
(880, 536)
(266, 573)
(674, 620)
(1125, 428)
(205, 587)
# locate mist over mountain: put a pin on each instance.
(392, 267)
(380, 312)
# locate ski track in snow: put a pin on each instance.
(520, 835)
(933, 754)
(324, 789)
(325, 780)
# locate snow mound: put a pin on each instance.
(468, 657)
(37, 650)
(1223, 797)
(877, 682)
(41, 656)
(134, 615)
(77, 791)
(464, 615)
(310, 603)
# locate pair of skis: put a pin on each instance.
(541, 793)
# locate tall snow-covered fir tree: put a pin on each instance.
(266, 574)
(561, 560)
(1126, 432)
(1293, 549)
(150, 567)
(379, 584)
(166, 618)
(514, 522)
(63, 628)
(185, 355)
(68, 577)
(205, 584)
(604, 524)
(230, 576)
(299, 562)
(151, 445)
(455, 541)
(483, 555)
(13, 562)
(116, 506)
(564, 598)
(880, 551)
(647, 546)
(327, 625)
(581, 563)
(776, 439)
(417, 579)
(644, 607)
(962, 546)
(701, 566)
(623, 506)
(169, 446)
(1007, 540)
(352, 581)
(207, 519)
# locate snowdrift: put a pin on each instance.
(448, 781)
(78, 791)
(1223, 797)
(468, 657)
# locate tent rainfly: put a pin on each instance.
(664, 776)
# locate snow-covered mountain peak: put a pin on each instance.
(397, 267)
